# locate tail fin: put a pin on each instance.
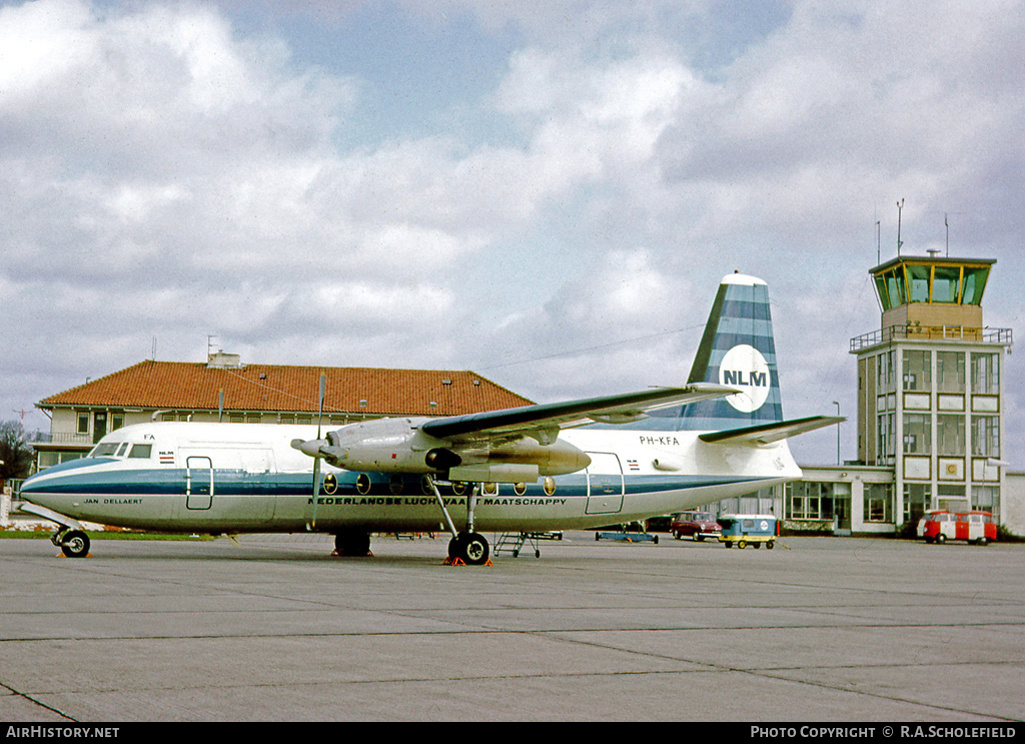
(738, 350)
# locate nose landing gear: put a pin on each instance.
(73, 543)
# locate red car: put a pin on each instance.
(695, 524)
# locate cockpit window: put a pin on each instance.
(141, 451)
(104, 449)
(121, 450)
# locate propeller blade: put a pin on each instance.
(316, 492)
(313, 449)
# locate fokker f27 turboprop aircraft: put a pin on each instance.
(573, 465)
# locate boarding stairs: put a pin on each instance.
(513, 542)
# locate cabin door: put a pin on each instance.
(199, 482)
(604, 484)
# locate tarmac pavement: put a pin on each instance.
(275, 629)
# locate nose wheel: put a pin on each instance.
(73, 543)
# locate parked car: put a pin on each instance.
(695, 524)
(974, 526)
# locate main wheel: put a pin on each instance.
(741, 544)
(471, 548)
(75, 544)
(355, 543)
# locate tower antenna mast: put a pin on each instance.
(900, 208)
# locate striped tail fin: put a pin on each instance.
(738, 350)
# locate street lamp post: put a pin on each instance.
(837, 404)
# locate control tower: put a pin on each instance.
(930, 389)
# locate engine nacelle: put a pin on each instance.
(557, 458)
(398, 446)
(495, 473)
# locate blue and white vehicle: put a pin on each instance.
(748, 529)
(572, 465)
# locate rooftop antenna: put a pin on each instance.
(947, 225)
(879, 248)
(900, 208)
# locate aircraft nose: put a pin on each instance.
(37, 489)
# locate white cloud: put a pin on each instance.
(166, 174)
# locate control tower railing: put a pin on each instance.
(914, 332)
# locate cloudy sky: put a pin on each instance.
(546, 192)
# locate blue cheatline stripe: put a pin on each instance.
(156, 483)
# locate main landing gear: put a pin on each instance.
(352, 543)
(467, 547)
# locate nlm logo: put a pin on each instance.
(745, 368)
(736, 377)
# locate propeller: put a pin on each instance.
(312, 524)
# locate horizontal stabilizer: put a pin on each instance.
(768, 433)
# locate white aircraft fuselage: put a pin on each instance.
(547, 467)
(248, 478)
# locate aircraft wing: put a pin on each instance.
(544, 421)
(766, 433)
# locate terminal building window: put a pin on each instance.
(890, 286)
(945, 283)
(884, 372)
(973, 283)
(917, 500)
(917, 434)
(917, 370)
(885, 438)
(986, 498)
(950, 374)
(918, 280)
(986, 374)
(986, 436)
(950, 434)
(951, 497)
(878, 502)
(808, 500)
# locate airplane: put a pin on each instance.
(577, 464)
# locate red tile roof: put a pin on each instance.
(275, 387)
